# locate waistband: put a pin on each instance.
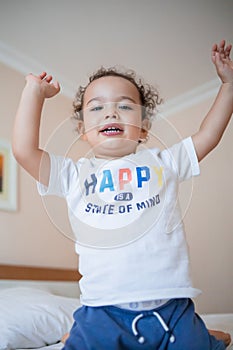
(143, 305)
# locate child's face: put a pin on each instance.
(112, 116)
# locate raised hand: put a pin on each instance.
(221, 59)
(44, 84)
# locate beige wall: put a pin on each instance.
(28, 236)
(208, 219)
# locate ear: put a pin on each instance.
(146, 124)
(81, 130)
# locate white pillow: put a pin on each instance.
(31, 318)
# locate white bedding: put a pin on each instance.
(31, 316)
(57, 346)
(222, 322)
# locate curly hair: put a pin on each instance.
(149, 95)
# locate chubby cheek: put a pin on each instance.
(90, 124)
(91, 137)
(134, 132)
(134, 128)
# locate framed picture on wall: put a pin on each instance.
(8, 177)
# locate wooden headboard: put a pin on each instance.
(20, 272)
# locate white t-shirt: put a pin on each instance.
(128, 224)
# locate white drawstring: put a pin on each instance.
(165, 327)
(135, 332)
(141, 339)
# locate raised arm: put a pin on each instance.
(25, 142)
(216, 120)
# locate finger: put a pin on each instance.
(222, 45)
(49, 78)
(225, 51)
(214, 48)
(218, 60)
(221, 49)
(214, 52)
(42, 75)
(213, 57)
(228, 51)
(57, 85)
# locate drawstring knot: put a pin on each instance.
(141, 339)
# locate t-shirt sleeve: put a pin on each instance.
(182, 158)
(62, 173)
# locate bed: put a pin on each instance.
(37, 304)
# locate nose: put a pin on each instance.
(111, 111)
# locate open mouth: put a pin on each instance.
(111, 130)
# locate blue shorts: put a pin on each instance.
(173, 326)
